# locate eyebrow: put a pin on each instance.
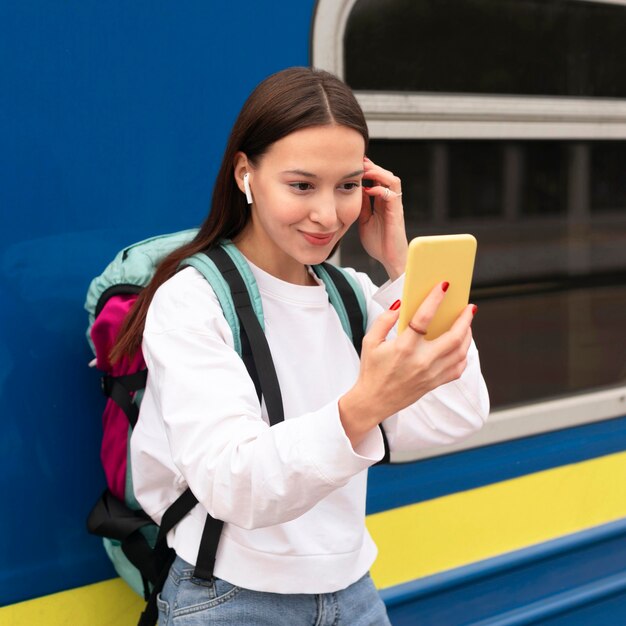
(311, 175)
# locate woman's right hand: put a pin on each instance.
(396, 373)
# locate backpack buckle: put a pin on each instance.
(106, 384)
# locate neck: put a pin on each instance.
(284, 268)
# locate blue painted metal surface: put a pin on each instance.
(443, 475)
(565, 581)
(579, 580)
(113, 118)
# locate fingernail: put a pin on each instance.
(368, 188)
(445, 285)
(395, 306)
(474, 309)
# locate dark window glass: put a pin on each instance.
(544, 174)
(532, 47)
(477, 177)
(608, 176)
(543, 345)
(550, 277)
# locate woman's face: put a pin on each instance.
(306, 192)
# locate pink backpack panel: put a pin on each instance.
(114, 450)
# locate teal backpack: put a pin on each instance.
(136, 546)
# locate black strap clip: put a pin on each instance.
(106, 384)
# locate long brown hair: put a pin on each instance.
(295, 98)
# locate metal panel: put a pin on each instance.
(114, 116)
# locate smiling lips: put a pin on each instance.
(318, 239)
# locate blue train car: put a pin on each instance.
(504, 118)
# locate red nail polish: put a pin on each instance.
(368, 188)
(474, 309)
(445, 285)
(395, 306)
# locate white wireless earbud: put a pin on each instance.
(246, 186)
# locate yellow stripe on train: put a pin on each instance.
(414, 541)
(462, 528)
(110, 603)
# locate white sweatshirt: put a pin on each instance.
(292, 496)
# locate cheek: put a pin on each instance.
(350, 209)
(292, 210)
(279, 210)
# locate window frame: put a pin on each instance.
(409, 115)
(393, 115)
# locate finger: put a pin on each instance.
(453, 358)
(464, 341)
(465, 318)
(458, 339)
(366, 209)
(370, 166)
(382, 176)
(381, 327)
(388, 180)
(460, 334)
(423, 316)
(386, 194)
(467, 341)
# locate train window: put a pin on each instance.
(507, 118)
(550, 218)
(533, 47)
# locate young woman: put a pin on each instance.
(294, 549)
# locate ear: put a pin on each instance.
(240, 167)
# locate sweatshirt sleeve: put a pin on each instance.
(241, 470)
(447, 414)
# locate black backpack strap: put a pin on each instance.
(259, 364)
(174, 514)
(163, 556)
(350, 303)
(120, 390)
(150, 614)
(208, 548)
(357, 326)
(176, 511)
(387, 455)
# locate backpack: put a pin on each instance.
(136, 546)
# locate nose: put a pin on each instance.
(324, 211)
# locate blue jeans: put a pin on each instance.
(189, 601)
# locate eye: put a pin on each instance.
(301, 186)
(349, 186)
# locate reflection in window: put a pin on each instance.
(608, 176)
(544, 176)
(477, 177)
(532, 47)
(554, 343)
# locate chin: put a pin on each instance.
(315, 257)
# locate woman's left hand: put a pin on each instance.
(382, 229)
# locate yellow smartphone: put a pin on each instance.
(431, 260)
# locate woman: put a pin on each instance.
(294, 549)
